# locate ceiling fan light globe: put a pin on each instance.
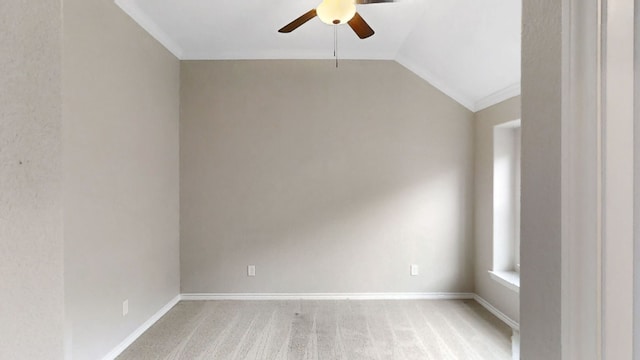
(334, 12)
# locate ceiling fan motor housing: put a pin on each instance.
(334, 12)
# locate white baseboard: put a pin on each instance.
(328, 296)
(140, 330)
(499, 314)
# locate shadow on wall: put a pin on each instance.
(335, 191)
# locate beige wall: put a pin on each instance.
(121, 110)
(636, 194)
(541, 270)
(31, 279)
(498, 295)
(328, 180)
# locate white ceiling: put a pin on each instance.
(469, 49)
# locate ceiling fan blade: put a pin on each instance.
(298, 22)
(360, 27)
(364, 2)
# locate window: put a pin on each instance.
(506, 204)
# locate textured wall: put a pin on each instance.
(120, 110)
(540, 291)
(498, 295)
(328, 180)
(31, 279)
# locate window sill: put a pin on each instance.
(510, 279)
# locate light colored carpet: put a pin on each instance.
(344, 330)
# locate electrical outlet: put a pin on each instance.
(251, 270)
(125, 307)
(414, 270)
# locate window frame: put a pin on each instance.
(507, 144)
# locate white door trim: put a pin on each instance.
(618, 161)
(581, 203)
(597, 194)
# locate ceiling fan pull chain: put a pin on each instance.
(335, 43)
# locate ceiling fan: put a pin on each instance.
(337, 12)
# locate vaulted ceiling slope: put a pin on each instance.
(469, 49)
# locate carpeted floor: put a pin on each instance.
(345, 330)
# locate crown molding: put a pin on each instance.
(275, 54)
(139, 16)
(498, 97)
(435, 82)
